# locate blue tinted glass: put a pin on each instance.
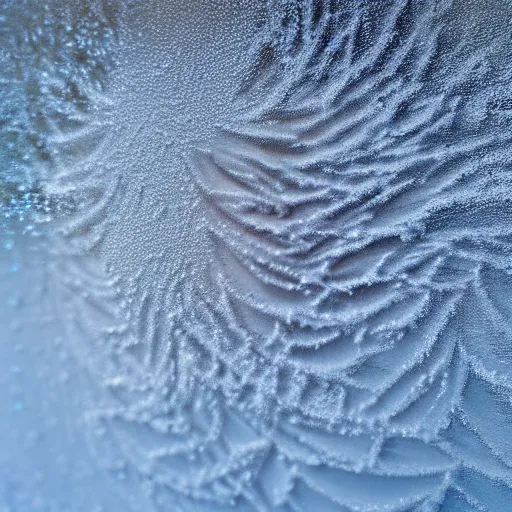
(255, 256)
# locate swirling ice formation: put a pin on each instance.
(311, 313)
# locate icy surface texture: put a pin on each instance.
(280, 244)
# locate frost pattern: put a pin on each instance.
(312, 313)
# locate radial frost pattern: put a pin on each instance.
(285, 260)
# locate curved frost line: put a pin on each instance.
(352, 317)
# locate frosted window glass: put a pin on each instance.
(255, 256)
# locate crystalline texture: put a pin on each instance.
(285, 258)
